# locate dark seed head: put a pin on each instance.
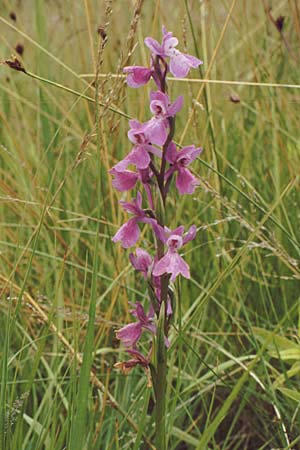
(102, 32)
(13, 16)
(15, 64)
(19, 49)
(279, 22)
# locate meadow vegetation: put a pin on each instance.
(234, 370)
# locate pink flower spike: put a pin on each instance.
(139, 356)
(146, 320)
(138, 359)
(178, 231)
(145, 133)
(137, 75)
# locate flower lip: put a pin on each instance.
(184, 161)
(138, 132)
(158, 108)
(161, 107)
(174, 242)
(138, 137)
(169, 46)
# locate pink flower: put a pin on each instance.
(125, 180)
(131, 333)
(137, 75)
(180, 63)
(141, 261)
(172, 262)
(137, 359)
(129, 233)
(143, 135)
(185, 181)
(156, 283)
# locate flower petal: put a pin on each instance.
(163, 265)
(178, 231)
(179, 65)
(188, 154)
(139, 313)
(141, 261)
(138, 156)
(128, 234)
(176, 106)
(124, 180)
(137, 75)
(178, 266)
(171, 263)
(171, 153)
(190, 235)
(130, 334)
(193, 61)
(157, 131)
(153, 45)
(185, 181)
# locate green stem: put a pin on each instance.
(161, 180)
(161, 383)
(160, 411)
(160, 377)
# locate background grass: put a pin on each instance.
(235, 351)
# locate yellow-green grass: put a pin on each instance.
(233, 378)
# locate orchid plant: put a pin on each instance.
(156, 162)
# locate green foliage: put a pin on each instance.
(234, 372)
